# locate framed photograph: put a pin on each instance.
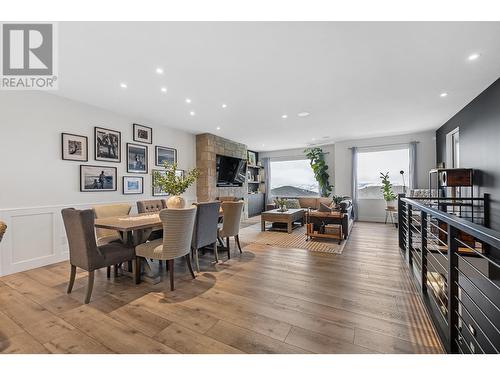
(75, 147)
(97, 178)
(252, 158)
(165, 154)
(137, 158)
(133, 185)
(143, 134)
(157, 192)
(107, 145)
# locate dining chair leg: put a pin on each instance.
(116, 266)
(190, 266)
(90, 286)
(221, 242)
(72, 276)
(228, 248)
(137, 270)
(237, 238)
(196, 259)
(171, 271)
(216, 253)
(108, 272)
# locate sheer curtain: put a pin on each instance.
(412, 170)
(354, 180)
(266, 163)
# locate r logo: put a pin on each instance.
(27, 49)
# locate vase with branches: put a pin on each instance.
(316, 158)
(389, 195)
(174, 182)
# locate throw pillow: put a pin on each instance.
(292, 203)
(324, 208)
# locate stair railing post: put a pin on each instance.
(423, 242)
(452, 288)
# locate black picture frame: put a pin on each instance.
(64, 150)
(154, 191)
(98, 150)
(103, 168)
(145, 163)
(125, 178)
(136, 130)
(158, 149)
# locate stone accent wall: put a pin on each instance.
(207, 147)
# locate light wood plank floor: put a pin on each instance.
(268, 300)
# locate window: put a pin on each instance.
(293, 178)
(371, 163)
(453, 149)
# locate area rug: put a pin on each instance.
(295, 240)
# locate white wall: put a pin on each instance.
(373, 209)
(35, 183)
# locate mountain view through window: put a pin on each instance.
(293, 178)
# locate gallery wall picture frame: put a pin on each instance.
(74, 147)
(163, 154)
(107, 145)
(137, 158)
(97, 178)
(133, 185)
(142, 133)
(157, 192)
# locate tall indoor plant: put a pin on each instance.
(174, 183)
(316, 158)
(389, 195)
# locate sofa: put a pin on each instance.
(313, 203)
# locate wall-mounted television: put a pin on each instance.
(230, 171)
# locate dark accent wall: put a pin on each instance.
(479, 124)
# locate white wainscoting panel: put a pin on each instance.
(36, 236)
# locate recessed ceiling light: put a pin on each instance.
(159, 70)
(163, 89)
(224, 105)
(313, 139)
(123, 85)
(303, 114)
(284, 116)
(192, 113)
(443, 94)
(218, 127)
(188, 100)
(263, 145)
(474, 56)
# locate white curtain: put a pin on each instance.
(354, 180)
(266, 163)
(412, 183)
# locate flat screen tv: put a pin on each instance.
(230, 171)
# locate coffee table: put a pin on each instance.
(289, 217)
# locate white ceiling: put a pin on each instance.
(356, 79)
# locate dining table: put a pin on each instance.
(134, 230)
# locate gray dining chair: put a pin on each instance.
(152, 206)
(231, 223)
(178, 227)
(205, 229)
(105, 236)
(84, 251)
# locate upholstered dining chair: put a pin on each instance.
(205, 229)
(105, 236)
(231, 223)
(3, 228)
(178, 227)
(152, 206)
(84, 251)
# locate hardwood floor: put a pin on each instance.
(268, 300)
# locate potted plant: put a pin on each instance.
(174, 183)
(336, 199)
(389, 195)
(316, 158)
(281, 204)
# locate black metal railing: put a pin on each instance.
(455, 263)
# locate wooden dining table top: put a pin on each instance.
(132, 222)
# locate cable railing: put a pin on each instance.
(455, 262)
